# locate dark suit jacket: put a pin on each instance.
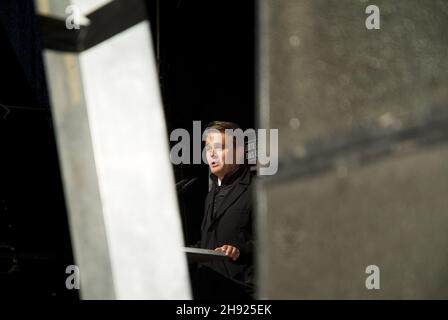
(232, 225)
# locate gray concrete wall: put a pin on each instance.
(362, 137)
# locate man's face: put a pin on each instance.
(217, 153)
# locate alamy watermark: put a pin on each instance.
(72, 281)
(373, 280)
(373, 21)
(250, 146)
(75, 19)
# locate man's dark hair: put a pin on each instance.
(222, 126)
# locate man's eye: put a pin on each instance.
(207, 148)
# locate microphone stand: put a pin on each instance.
(183, 186)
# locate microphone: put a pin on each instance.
(181, 184)
(189, 183)
(181, 187)
(186, 185)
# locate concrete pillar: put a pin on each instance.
(362, 118)
(113, 149)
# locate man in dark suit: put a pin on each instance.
(227, 222)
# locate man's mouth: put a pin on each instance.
(214, 164)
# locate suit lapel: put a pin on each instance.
(230, 198)
(208, 212)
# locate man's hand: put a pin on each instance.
(230, 251)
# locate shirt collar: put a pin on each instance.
(229, 178)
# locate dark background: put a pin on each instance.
(205, 54)
(206, 62)
(34, 239)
